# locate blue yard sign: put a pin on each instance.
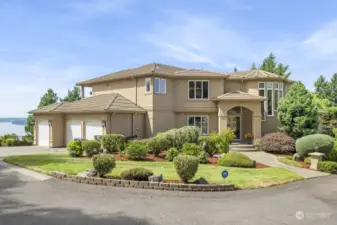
(224, 174)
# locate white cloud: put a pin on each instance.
(23, 84)
(99, 6)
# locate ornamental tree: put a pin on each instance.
(297, 112)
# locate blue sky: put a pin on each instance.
(54, 44)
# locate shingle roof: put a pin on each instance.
(256, 74)
(239, 95)
(153, 68)
(99, 103)
(199, 73)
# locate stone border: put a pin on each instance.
(143, 184)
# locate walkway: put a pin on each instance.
(271, 160)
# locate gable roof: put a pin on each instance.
(153, 68)
(257, 74)
(239, 95)
(199, 73)
(99, 103)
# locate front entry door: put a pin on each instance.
(234, 122)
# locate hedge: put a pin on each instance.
(314, 143)
(327, 166)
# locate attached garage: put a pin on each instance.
(93, 128)
(73, 130)
(43, 133)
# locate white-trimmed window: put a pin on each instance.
(147, 85)
(199, 121)
(262, 92)
(270, 100)
(160, 85)
(198, 89)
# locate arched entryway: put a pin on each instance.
(240, 119)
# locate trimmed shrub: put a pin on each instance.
(75, 148)
(191, 149)
(277, 143)
(103, 163)
(327, 166)
(314, 143)
(224, 139)
(12, 142)
(208, 143)
(113, 142)
(257, 144)
(307, 160)
(140, 174)
(7, 136)
(186, 167)
(171, 154)
(136, 150)
(236, 159)
(203, 157)
(177, 137)
(91, 147)
(157, 144)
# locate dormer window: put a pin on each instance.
(198, 89)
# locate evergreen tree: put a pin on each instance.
(332, 89)
(297, 112)
(235, 69)
(253, 67)
(73, 95)
(322, 87)
(269, 64)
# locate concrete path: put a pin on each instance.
(271, 160)
(25, 150)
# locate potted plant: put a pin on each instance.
(249, 137)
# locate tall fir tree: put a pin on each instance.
(253, 67)
(73, 95)
(322, 87)
(270, 64)
(332, 89)
(297, 112)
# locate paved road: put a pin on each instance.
(25, 200)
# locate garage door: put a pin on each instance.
(43, 133)
(73, 130)
(92, 128)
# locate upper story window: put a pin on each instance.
(274, 92)
(147, 85)
(198, 89)
(160, 85)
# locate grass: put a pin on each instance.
(240, 177)
(289, 161)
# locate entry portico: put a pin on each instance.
(245, 107)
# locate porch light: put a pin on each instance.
(49, 122)
(103, 123)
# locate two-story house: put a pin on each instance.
(155, 97)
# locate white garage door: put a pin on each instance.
(73, 130)
(43, 133)
(92, 128)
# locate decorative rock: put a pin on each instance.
(200, 181)
(88, 173)
(156, 178)
(297, 157)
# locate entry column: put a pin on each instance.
(256, 126)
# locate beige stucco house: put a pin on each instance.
(155, 97)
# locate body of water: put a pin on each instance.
(8, 128)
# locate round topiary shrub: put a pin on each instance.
(277, 143)
(12, 142)
(236, 159)
(91, 147)
(157, 144)
(136, 150)
(186, 166)
(191, 149)
(75, 148)
(171, 154)
(327, 166)
(103, 163)
(208, 144)
(113, 142)
(140, 174)
(314, 143)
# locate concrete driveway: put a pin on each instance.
(26, 200)
(25, 150)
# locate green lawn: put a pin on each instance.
(289, 161)
(240, 177)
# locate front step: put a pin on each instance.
(236, 147)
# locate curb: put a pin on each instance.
(144, 184)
